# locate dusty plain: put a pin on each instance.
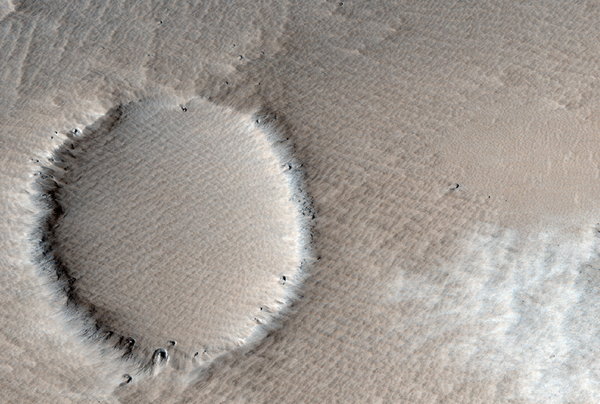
(299, 202)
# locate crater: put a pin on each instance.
(178, 227)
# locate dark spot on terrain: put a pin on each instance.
(159, 356)
(127, 379)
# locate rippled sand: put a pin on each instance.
(285, 202)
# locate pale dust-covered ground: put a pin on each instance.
(424, 291)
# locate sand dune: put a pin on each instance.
(423, 175)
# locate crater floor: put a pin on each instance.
(178, 226)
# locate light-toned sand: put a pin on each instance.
(536, 159)
(448, 152)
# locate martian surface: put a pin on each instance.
(299, 202)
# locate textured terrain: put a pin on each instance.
(449, 150)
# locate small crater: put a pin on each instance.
(126, 379)
(160, 356)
